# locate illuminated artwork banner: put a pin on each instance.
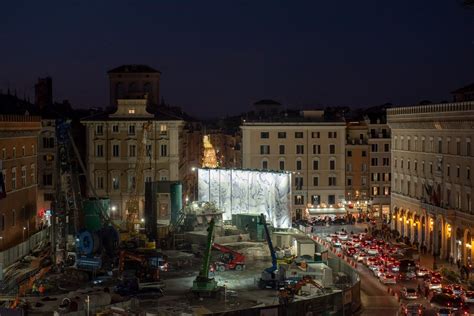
(248, 192)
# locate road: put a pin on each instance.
(375, 296)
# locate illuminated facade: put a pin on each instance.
(432, 183)
(248, 192)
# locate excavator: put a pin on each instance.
(287, 294)
(28, 285)
(229, 260)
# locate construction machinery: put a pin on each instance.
(288, 293)
(229, 259)
(203, 285)
(270, 278)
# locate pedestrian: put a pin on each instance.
(459, 264)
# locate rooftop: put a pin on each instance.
(133, 68)
(468, 88)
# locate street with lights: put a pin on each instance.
(389, 299)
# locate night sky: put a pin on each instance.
(218, 57)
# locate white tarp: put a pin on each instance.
(248, 192)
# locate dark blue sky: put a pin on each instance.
(217, 57)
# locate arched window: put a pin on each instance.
(132, 87)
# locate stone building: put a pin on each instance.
(18, 163)
(432, 179)
(310, 147)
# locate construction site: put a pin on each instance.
(232, 251)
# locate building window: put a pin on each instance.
(349, 167)
(332, 164)
(386, 190)
(375, 176)
(115, 150)
(331, 199)
(13, 178)
(415, 165)
(298, 165)
(468, 147)
(281, 134)
(468, 202)
(440, 146)
(332, 134)
(364, 181)
(401, 164)
(48, 197)
(332, 149)
(99, 151)
(458, 171)
(4, 153)
(131, 130)
(298, 134)
(23, 176)
(131, 111)
(458, 147)
(423, 167)
(99, 130)
(14, 152)
(148, 150)
(374, 162)
(315, 164)
(13, 217)
(364, 167)
(164, 150)
(115, 128)
(349, 153)
(408, 144)
(299, 199)
(163, 129)
(332, 181)
(264, 149)
(100, 183)
(315, 199)
(431, 167)
(132, 150)
(316, 149)
(448, 170)
(299, 183)
(282, 165)
(315, 181)
(468, 173)
(282, 149)
(116, 183)
(386, 161)
(23, 151)
(47, 179)
(364, 153)
(423, 144)
(315, 135)
(33, 173)
(387, 177)
(374, 148)
(264, 135)
(264, 164)
(375, 191)
(131, 183)
(299, 149)
(386, 147)
(349, 182)
(2, 222)
(408, 165)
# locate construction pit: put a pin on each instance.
(72, 292)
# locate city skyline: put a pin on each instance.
(217, 59)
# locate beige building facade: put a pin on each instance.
(432, 180)
(308, 146)
(114, 142)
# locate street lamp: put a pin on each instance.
(24, 228)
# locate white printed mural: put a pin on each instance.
(248, 192)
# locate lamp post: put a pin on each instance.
(24, 229)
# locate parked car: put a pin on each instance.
(422, 272)
(468, 297)
(412, 309)
(445, 312)
(388, 278)
(409, 293)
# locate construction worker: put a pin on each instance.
(41, 289)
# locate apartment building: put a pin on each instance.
(18, 163)
(432, 176)
(357, 166)
(380, 166)
(307, 145)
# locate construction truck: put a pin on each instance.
(203, 285)
(229, 259)
(271, 276)
(289, 291)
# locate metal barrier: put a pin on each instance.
(9, 256)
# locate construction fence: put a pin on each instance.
(9, 256)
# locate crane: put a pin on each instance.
(270, 277)
(133, 203)
(230, 259)
(203, 285)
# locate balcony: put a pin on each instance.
(356, 141)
